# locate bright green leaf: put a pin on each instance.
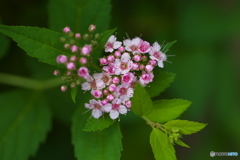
(41, 43)
(162, 148)
(161, 81)
(74, 92)
(186, 127)
(79, 14)
(98, 124)
(167, 46)
(141, 102)
(181, 143)
(166, 110)
(25, 120)
(105, 144)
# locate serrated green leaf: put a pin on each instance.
(98, 124)
(105, 144)
(74, 92)
(141, 102)
(161, 81)
(166, 110)
(103, 38)
(186, 127)
(41, 43)
(167, 46)
(25, 120)
(181, 143)
(162, 148)
(79, 14)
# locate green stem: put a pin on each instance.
(28, 83)
(154, 125)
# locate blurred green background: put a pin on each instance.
(206, 61)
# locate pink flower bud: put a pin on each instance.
(112, 87)
(83, 60)
(73, 58)
(153, 62)
(91, 28)
(117, 54)
(149, 68)
(104, 102)
(135, 66)
(77, 35)
(63, 88)
(67, 46)
(83, 72)
(74, 48)
(105, 92)
(86, 49)
(121, 49)
(56, 73)
(110, 97)
(115, 80)
(110, 58)
(96, 93)
(66, 29)
(62, 59)
(141, 67)
(128, 104)
(144, 47)
(103, 61)
(68, 73)
(71, 66)
(137, 57)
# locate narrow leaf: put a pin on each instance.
(181, 143)
(167, 46)
(79, 14)
(74, 92)
(141, 102)
(162, 148)
(103, 38)
(25, 120)
(41, 43)
(161, 81)
(105, 144)
(166, 110)
(186, 127)
(98, 124)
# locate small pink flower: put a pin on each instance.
(149, 68)
(83, 60)
(115, 80)
(103, 61)
(56, 73)
(66, 29)
(83, 72)
(112, 87)
(124, 65)
(74, 48)
(67, 46)
(142, 67)
(86, 86)
(146, 78)
(105, 92)
(63, 88)
(116, 109)
(96, 93)
(137, 58)
(135, 66)
(127, 78)
(86, 49)
(117, 54)
(62, 59)
(112, 44)
(128, 104)
(96, 108)
(77, 35)
(73, 58)
(70, 66)
(110, 69)
(104, 102)
(121, 49)
(132, 45)
(110, 97)
(110, 58)
(152, 62)
(156, 54)
(124, 92)
(91, 28)
(144, 47)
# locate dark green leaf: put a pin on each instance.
(25, 120)
(186, 127)
(41, 43)
(181, 143)
(167, 46)
(162, 148)
(161, 81)
(79, 14)
(98, 124)
(166, 110)
(74, 92)
(105, 144)
(141, 102)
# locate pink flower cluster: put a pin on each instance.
(128, 63)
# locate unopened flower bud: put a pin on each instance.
(153, 62)
(63, 88)
(62, 39)
(103, 61)
(105, 92)
(97, 35)
(66, 29)
(74, 48)
(110, 58)
(121, 49)
(91, 28)
(144, 58)
(86, 37)
(149, 68)
(112, 87)
(73, 58)
(62, 59)
(135, 66)
(86, 49)
(141, 67)
(137, 57)
(77, 35)
(110, 97)
(128, 104)
(104, 102)
(72, 85)
(94, 43)
(67, 46)
(71, 66)
(56, 73)
(83, 60)
(115, 80)
(117, 54)
(83, 72)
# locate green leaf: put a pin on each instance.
(161, 81)
(74, 91)
(186, 127)
(5, 42)
(41, 43)
(98, 124)
(141, 102)
(181, 143)
(162, 148)
(166, 110)
(79, 14)
(103, 38)
(105, 144)
(167, 46)
(25, 120)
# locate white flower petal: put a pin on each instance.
(88, 106)
(160, 64)
(107, 107)
(156, 46)
(112, 39)
(136, 41)
(130, 92)
(125, 57)
(86, 86)
(122, 109)
(117, 44)
(97, 75)
(114, 114)
(96, 113)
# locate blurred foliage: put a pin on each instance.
(206, 66)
